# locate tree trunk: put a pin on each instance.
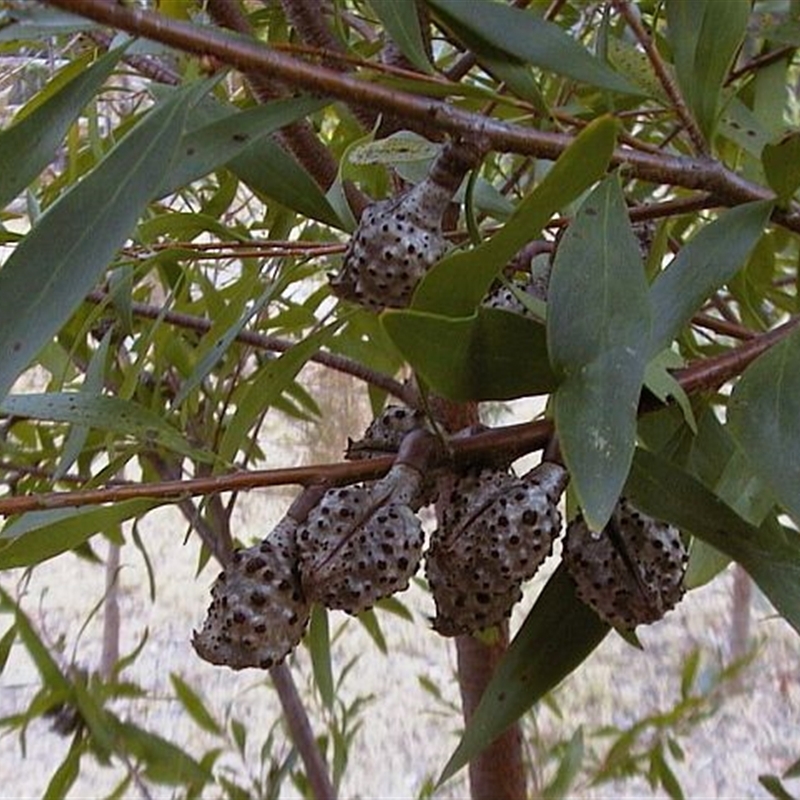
(498, 773)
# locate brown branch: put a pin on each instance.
(301, 733)
(512, 440)
(702, 174)
(298, 137)
(274, 344)
(664, 76)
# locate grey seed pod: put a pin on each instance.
(258, 611)
(386, 432)
(399, 239)
(362, 543)
(631, 573)
(496, 532)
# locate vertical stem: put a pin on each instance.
(111, 619)
(498, 773)
(740, 613)
(302, 734)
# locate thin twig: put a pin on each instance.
(664, 76)
(274, 344)
(301, 733)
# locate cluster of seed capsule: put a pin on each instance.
(359, 544)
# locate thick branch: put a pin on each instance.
(703, 174)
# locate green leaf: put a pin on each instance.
(369, 620)
(163, 761)
(60, 260)
(204, 149)
(40, 535)
(492, 355)
(770, 552)
(267, 387)
(48, 668)
(568, 769)
(66, 774)
(401, 21)
(194, 705)
(124, 417)
(319, 645)
(33, 21)
(6, 643)
(228, 324)
(705, 36)
(29, 145)
(773, 784)
(500, 28)
(557, 636)
(764, 418)
(458, 283)
(782, 166)
(710, 259)
(598, 326)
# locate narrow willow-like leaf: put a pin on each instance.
(194, 705)
(764, 418)
(770, 552)
(230, 322)
(491, 355)
(124, 417)
(48, 668)
(459, 282)
(204, 149)
(496, 27)
(710, 259)
(401, 21)
(559, 633)
(40, 535)
(319, 645)
(598, 327)
(705, 35)
(33, 21)
(29, 145)
(67, 773)
(268, 385)
(60, 260)
(267, 168)
(782, 166)
(163, 761)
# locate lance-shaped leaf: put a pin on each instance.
(491, 355)
(39, 535)
(782, 165)
(459, 282)
(598, 327)
(60, 260)
(708, 261)
(29, 145)
(559, 634)
(124, 417)
(267, 387)
(501, 29)
(769, 552)
(764, 418)
(705, 36)
(204, 149)
(401, 21)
